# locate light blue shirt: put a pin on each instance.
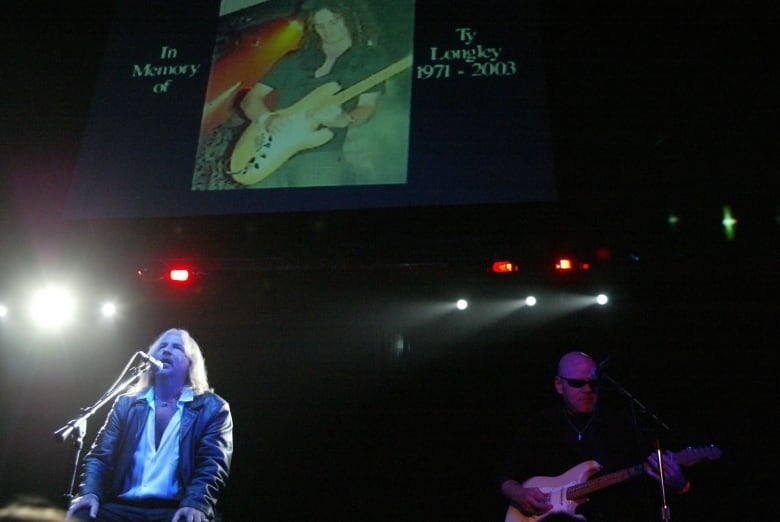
(154, 468)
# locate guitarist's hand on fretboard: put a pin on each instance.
(674, 478)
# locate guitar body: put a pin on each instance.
(258, 153)
(556, 488)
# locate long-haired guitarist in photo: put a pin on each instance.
(338, 50)
(579, 445)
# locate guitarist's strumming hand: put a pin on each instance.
(331, 116)
(328, 116)
(530, 501)
(274, 123)
(674, 479)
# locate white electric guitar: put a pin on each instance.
(569, 490)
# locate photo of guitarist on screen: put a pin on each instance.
(304, 122)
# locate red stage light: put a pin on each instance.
(501, 267)
(568, 264)
(179, 275)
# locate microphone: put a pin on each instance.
(600, 370)
(151, 360)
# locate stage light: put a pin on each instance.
(461, 304)
(673, 220)
(530, 301)
(502, 267)
(53, 307)
(729, 223)
(179, 275)
(602, 299)
(604, 254)
(567, 264)
(178, 271)
(108, 309)
(3, 311)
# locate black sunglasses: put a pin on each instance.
(579, 383)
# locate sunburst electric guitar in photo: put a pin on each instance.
(258, 153)
(571, 489)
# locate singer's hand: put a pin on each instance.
(87, 501)
(188, 514)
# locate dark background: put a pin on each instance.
(654, 109)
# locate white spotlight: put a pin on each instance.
(52, 308)
(462, 304)
(108, 309)
(602, 299)
(3, 311)
(530, 300)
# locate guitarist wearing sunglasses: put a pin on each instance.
(589, 439)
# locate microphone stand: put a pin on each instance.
(657, 421)
(76, 428)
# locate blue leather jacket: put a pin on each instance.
(205, 450)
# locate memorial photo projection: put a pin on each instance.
(282, 106)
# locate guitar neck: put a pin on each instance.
(686, 457)
(586, 488)
(371, 81)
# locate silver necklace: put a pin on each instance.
(578, 430)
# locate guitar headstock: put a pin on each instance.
(695, 454)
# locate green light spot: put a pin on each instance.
(673, 220)
(729, 223)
